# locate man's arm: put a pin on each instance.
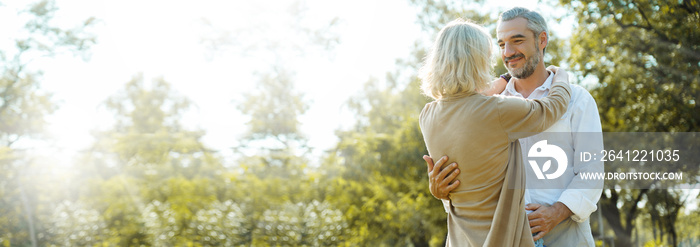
(580, 197)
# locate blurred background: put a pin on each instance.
(294, 122)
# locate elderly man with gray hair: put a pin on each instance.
(559, 206)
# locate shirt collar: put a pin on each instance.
(510, 87)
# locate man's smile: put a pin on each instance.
(514, 59)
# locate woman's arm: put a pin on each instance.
(522, 118)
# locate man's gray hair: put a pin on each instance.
(535, 21)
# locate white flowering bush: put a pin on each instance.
(222, 224)
(74, 225)
(160, 224)
(313, 224)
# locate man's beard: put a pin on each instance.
(528, 68)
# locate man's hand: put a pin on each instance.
(545, 218)
(442, 180)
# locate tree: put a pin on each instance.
(280, 191)
(689, 234)
(23, 107)
(273, 126)
(646, 60)
(644, 56)
(375, 176)
(272, 180)
(148, 176)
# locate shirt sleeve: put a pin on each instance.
(522, 118)
(581, 196)
(446, 205)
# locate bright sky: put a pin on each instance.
(160, 38)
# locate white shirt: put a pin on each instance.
(579, 130)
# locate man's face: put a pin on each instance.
(520, 50)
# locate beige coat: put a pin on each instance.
(479, 133)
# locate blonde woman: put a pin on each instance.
(480, 132)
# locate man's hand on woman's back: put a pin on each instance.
(442, 179)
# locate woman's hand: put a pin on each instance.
(559, 74)
(497, 86)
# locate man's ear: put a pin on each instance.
(543, 40)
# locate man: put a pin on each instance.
(560, 206)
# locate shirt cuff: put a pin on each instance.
(579, 210)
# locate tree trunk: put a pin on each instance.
(623, 235)
(28, 215)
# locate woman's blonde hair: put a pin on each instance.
(459, 62)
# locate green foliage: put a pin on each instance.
(147, 139)
(273, 146)
(274, 108)
(646, 60)
(148, 176)
(300, 224)
(688, 232)
(279, 194)
(71, 221)
(221, 224)
(375, 174)
(435, 14)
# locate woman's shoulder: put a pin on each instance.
(429, 105)
(449, 104)
(427, 108)
(476, 101)
(504, 101)
(508, 105)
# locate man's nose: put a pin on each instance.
(508, 50)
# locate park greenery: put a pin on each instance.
(150, 181)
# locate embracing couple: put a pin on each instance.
(483, 132)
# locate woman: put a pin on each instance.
(486, 209)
